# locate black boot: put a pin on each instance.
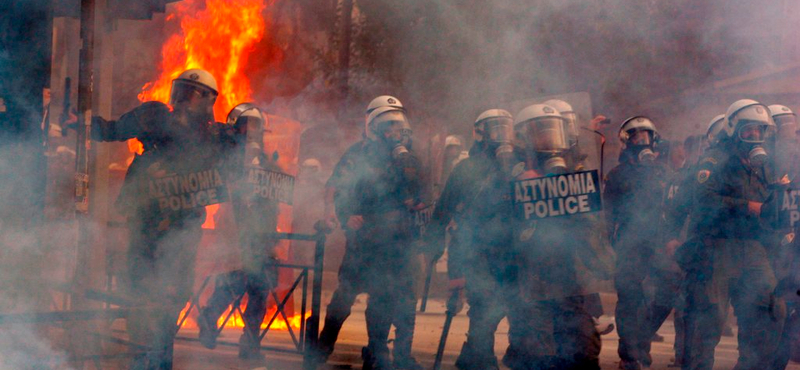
(249, 347)
(208, 330)
(373, 361)
(469, 359)
(406, 363)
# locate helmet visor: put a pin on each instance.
(640, 137)
(390, 121)
(393, 130)
(545, 134)
(786, 122)
(752, 131)
(572, 127)
(499, 130)
(183, 90)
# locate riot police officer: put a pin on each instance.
(256, 217)
(389, 187)
(550, 326)
(340, 196)
(632, 222)
(454, 152)
(733, 263)
(597, 265)
(782, 246)
(475, 204)
(668, 276)
(165, 223)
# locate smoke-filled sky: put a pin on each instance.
(452, 59)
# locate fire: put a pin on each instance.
(217, 36)
(236, 320)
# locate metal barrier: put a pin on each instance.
(304, 341)
(307, 337)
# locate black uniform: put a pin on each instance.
(163, 240)
(667, 275)
(550, 326)
(730, 264)
(632, 203)
(351, 282)
(477, 198)
(256, 217)
(379, 256)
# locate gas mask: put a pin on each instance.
(393, 130)
(546, 137)
(641, 144)
(497, 135)
(750, 139)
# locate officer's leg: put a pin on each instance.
(379, 316)
(680, 327)
(759, 313)
(667, 288)
(530, 334)
(404, 321)
(706, 294)
(704, 322)
(351, 280)
(486, 310)
(227, 287)
(140, 268)
(630, 309)
(576, 335)
(175, 267)
(784, 351)
(258, 288)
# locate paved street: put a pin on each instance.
(190, 355)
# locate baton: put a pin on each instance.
(452, 304)
(424, 304)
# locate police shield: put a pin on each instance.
(186, 187)
(557, 195)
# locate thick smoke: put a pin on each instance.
(448, 60)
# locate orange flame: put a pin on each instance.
(216, 37)
(236, 320)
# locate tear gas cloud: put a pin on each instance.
(447, 60)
